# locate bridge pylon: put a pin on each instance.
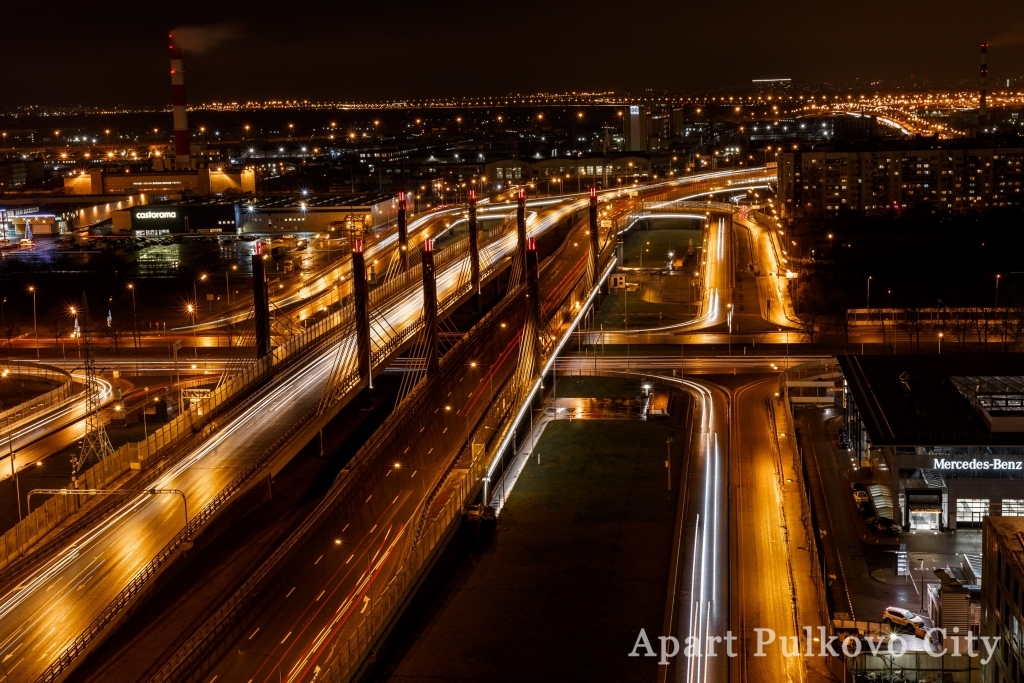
(261, 302)
(534, 322)
(595, 242)
(474, 251)
(430, 337)
(520, 232)
(403, 234)
(361, 292)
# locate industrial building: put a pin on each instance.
(317, 213)
(19, 173)
(927, 174)
(945, 431)
(263, 215)
(1002, 597)
(202, 182)
(574, 173)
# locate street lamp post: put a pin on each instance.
(195, 341)
(729, 320)
(14, 471)
(177, 378)
(135, 317)
(195, 296)
(35, 326)
(668, 460)
(940, 343)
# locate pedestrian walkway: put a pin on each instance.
(503, 487)
(808, 584)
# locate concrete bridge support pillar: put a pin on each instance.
(361, 292)
(521, 228)
(430, 309)
(474, 250)
(403, 234)
(595, 244)
(534, 322)
(261, 304)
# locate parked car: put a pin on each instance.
(844, 438)
(866, 509)
(857, 486)
(861, 496)
(885, 525)
(902, 617)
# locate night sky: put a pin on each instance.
(115, 52)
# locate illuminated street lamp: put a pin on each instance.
(35, 327)
(135, 318)
(191, 310)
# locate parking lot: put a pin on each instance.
(862, 556)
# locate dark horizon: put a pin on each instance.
(354, 54)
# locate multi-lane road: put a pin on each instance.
(324, 593)
(731, 568)
(51, 606)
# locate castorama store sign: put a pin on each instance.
(150, 214)
(161, 219)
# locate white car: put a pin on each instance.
(902, 617)
(860, 496)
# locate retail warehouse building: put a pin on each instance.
(340, 214)
(946, 431)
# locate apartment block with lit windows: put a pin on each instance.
(932, 175)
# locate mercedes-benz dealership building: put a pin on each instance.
(946, 430)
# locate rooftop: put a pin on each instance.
(295, 201)
(915, 400)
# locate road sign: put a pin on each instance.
(177, 346)
(195, 393)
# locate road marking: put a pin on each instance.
(290, 592)
(318, 560)
(368, 499)
(430, 451)
(318, 598)
(350, 558)
(406, 450)
(343, 530)
(286, 637)
(254, 633)
(396, 497)
(374, 527)
(446, 429)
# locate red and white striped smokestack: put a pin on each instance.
(181, 146)
(983, 106)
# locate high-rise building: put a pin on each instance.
(634, 129)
